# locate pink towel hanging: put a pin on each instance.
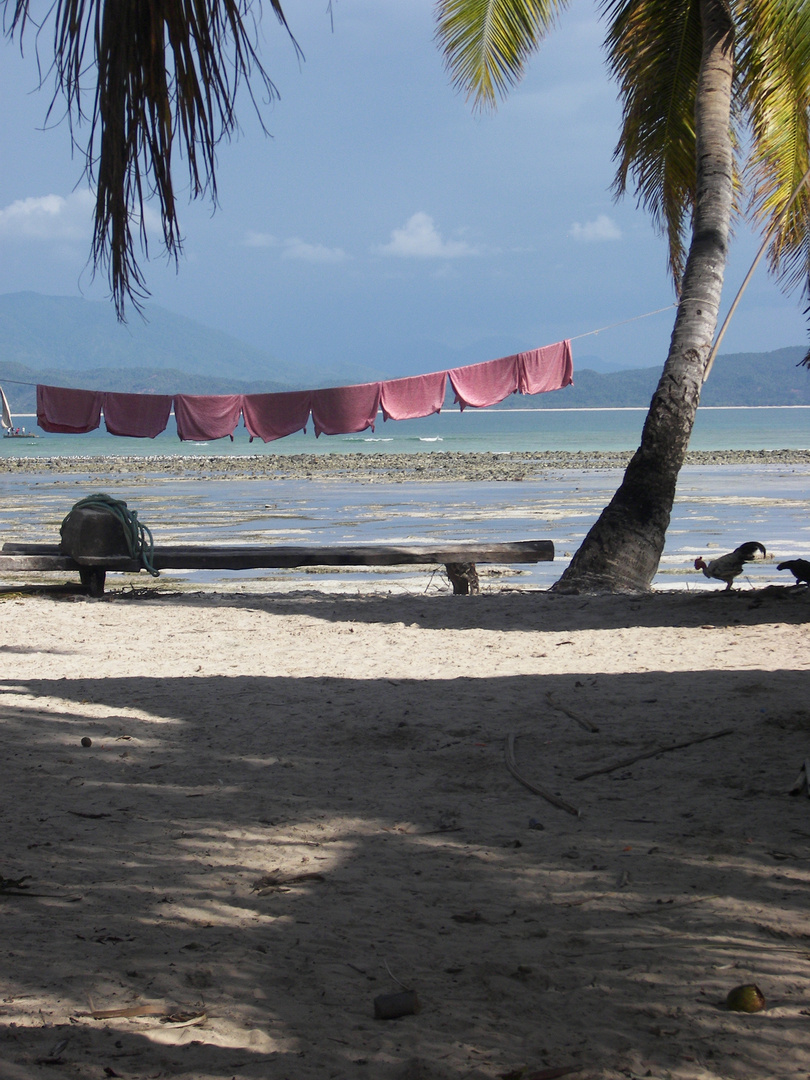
(71, 412)
(410, 398)
(485, 384)
(549, 368)
(273, 416)
(139, 416)
(201, 418)
(342, 410)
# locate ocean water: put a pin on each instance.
(497, 430)
(716, 508)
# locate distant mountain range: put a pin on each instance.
(70, 334)
(772, 378)
(68, 341)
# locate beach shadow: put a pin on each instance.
(403, 849)
(514, 610)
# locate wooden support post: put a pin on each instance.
(463, 577)
(93, 578)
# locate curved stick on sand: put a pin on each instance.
(654, 753)
(583, 721)
(511, 765)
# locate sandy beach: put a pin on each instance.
(294, 803)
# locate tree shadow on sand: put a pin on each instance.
(501, 611)
(407, 854)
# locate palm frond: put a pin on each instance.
(162, 75)
(654, 51)
(486, 43)
(775, 60)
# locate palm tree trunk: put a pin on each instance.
(622, 551)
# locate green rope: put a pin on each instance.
(138, 537)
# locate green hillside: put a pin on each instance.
(22, 398)
(736, 379)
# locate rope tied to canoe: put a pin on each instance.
(138, 536)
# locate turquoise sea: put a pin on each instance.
(717, 507)
(497, 430)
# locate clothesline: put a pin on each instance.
(623, 322)
(340, 410)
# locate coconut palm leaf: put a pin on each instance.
(775, 89)
(654, 50)
(486, 43)
(163, 79)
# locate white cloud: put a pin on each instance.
(594, 232)
(49, 217)
(260, 240)
(420, 239)
(315, 253)
(295, 248)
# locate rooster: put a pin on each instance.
(727, 567)
(800, 568)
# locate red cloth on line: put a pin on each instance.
(272, 416)
(341, 410)
(71, 412)
(202, 417)
(139, 416)
(549, 368)
(485, 384)
(410, 398)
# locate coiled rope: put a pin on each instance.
(138, 537)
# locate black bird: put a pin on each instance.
(727, 567)
(800, 568)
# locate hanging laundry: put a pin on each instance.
(272, 416)
(343, 410)
(70, 412)
(549, 368)
(337, 410)
(203, 417)
(139, 416)
(485, 384)
(410, 398)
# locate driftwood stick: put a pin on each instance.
(654, 753)
(511, 765)
(581, 720)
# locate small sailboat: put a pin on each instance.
(9, 430)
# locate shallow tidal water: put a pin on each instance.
(717, 508)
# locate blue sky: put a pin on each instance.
(384, 227)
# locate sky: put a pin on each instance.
(383, 227)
